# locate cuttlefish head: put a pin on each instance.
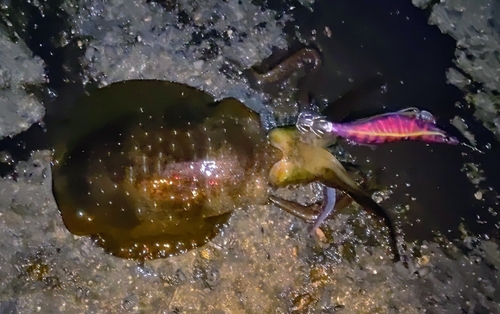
(305, 159)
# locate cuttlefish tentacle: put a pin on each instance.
(330, 197)
(311, 213)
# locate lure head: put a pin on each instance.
(313, 122)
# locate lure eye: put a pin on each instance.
(428, 117)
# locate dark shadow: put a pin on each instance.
(381, 56)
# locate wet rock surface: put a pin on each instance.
(187, 42)
(263, 261)
(18, 69)
(475, 27)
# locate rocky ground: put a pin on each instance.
(263, 261)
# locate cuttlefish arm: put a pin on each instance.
(330, 198)
(312, 213)
(306, 159)
(318, 212)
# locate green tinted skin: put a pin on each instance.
(152, 169)
(305, 63)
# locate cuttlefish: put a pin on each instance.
(151, 168)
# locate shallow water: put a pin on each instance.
(386, 57)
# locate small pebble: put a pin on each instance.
(6, 157)
(478, 195)
(423, 272)
(198, 65)
(180, 274)
(130, 302)
(424, 260)
(328, 32)
(320, 235)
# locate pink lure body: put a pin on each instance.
(407, 124)
(391, 128)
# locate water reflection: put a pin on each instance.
(383, 56)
